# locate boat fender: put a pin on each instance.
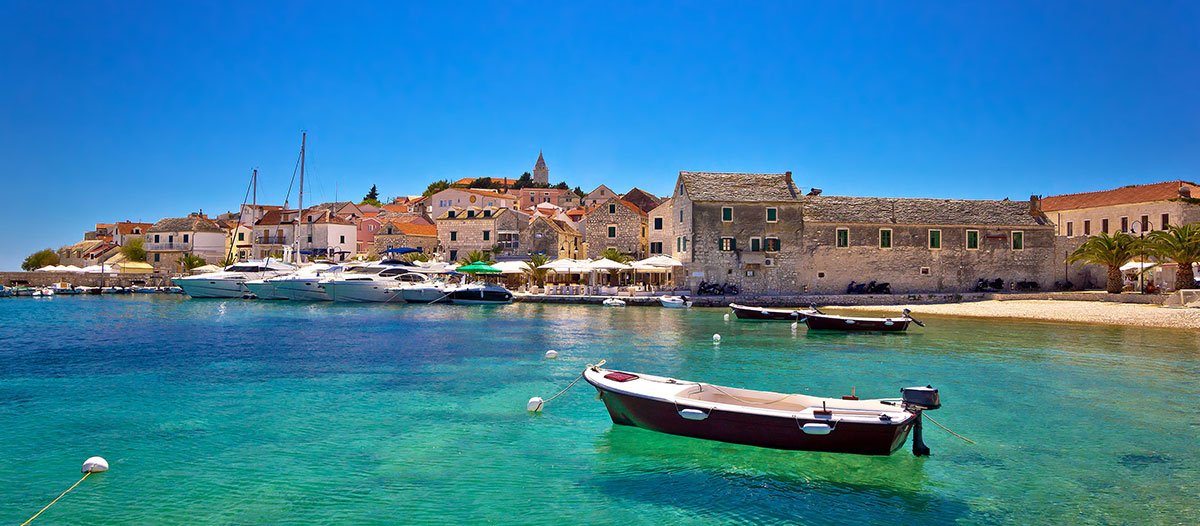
(716, 338)
(849, 322)
(693, 414)
(552, 354)
(888, 323)
(816, 429)
(534, 405)
(726, 317)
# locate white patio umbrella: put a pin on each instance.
(567, 266)
(71, 268)
(606, 264)
(659, 261)
(1139, 265)
(511, 267)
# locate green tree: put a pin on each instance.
(435, 187)
(616, 255)
(134, 250)
(416, 256)
(1110, 252)
(524, 181)
(562, 185)
(372, 197)
(535, 275)
(190, 261)
(579, 192)
(229, 260)
(42, 258)
(476, 255)
(483, 182)
(1178, 244)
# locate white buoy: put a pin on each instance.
(726, 316)
(716, 338)
(552, 354)
(94, 465)
(534, 405)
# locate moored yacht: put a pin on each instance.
(231, 282)
(269, 288)
(480, 293)
(428, 291)
(371, 283)
(309, 283)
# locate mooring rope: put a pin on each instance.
(60, 495)
(926, 415)
(548, 400)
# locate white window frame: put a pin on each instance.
(767, 214)
(765, 244)
(760, 244)
(610, 230)
(723, 209)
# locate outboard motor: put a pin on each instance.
(916, 400)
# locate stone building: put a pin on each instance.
(599, 195)
(172, 237)
(551, 237)
(465, 198)
(87, 252)
(404, 232)
(738, 228)
(1140, 208)
(757, 231)
(924, 245)
(615, 223)
(496, 230)
(527, 197)
(541, 174)
(642, 199)
(661, 230)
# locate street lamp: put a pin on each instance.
(1140, 227)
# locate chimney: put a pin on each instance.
(814, 191)
(1185, 191)
(1035, 205)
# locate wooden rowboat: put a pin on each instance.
(763, 418)
(819, 321)
(747, 312)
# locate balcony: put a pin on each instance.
(168, 246)
(272, 240)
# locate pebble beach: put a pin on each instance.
(1106, 313)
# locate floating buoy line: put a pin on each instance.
(534, 405)
(91, 465)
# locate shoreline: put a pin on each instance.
(1062, 311)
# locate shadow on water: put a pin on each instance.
(734, 483)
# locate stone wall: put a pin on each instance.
(469, 234)
(754, 272)
(44, 279)
(1179, 213)
(427, 244)
(630, 230)
(911, 266)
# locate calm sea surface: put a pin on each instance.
(237, 412)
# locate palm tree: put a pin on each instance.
(537, 276)
(416, 256)
(190, 261)
(476, 255)
(1180, 245)
(229, 260)
(616, 255)
(1110, 252)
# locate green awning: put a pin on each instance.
(478, 267)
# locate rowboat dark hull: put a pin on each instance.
(775, 432)
(746, 312)
(820, 322)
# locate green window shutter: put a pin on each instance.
(726, 213)
(972, 239)
(885, 239)
(843, 238)
(755, 245)
(772, 215)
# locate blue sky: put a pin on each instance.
(127, 110)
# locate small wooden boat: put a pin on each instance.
(614, 302)
(763, 418)
(819, 321)
(675, 302)
(747, 312)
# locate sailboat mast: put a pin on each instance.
(254, 182)
(300, 206)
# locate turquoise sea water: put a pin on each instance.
(242, 412)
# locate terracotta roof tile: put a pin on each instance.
(1144, 193)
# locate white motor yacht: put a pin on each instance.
(309, 283)
(426, 291)
(370, 283)
(270, 288)
(231, 282)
